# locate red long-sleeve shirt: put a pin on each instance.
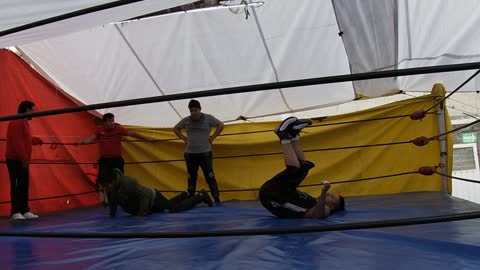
(19, 141)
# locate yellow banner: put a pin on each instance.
(369, 151)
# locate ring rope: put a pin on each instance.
(234, 156)
(254, 132)
(251, 232)
(251, 88)
(243, 190)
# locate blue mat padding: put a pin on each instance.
(445, 245)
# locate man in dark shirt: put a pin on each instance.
(280, 195)
(139, 200)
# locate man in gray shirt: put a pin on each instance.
(198, 150)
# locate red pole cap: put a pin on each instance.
(421, 141)
(426, 170)
(418, 115)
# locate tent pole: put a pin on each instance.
(443, 144)
(67, 16)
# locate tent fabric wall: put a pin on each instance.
(369, 31)
(211, 49)
(245, 155)
(96, 60)
(23, 12)
(438, 33)
(19, 82)
(188, 52)
(248, 154)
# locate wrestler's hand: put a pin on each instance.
(326, 185)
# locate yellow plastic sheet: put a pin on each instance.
(373, 145)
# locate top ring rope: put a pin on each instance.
(251, 88)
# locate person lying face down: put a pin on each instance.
(138, 200)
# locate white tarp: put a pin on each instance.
(438, 33)
(21, 12)
(281, 40)
(368, 28)
(200, 51)
(17, 13)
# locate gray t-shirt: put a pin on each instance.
(198, 132)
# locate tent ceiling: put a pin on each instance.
(18, 13)
(281, 40)
(21, 12)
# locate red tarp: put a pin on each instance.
(52, 186)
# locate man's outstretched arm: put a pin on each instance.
(320, 210)
(140, 136)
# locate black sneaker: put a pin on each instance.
(283, 129)
(298, 126)
(206, 197)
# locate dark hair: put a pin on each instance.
(25, 105)
(108, 116)
(194, 104)
(105, 175)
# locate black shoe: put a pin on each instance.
(206, 198)
(298, 126)
(282, 130)
(216, 200)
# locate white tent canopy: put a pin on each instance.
(98, 60)
(21, 13)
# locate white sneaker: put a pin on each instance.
(18, 216)
(29, 215)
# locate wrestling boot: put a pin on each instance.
(295, 129)
(283, 129)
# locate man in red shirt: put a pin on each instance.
(18, 155)
(109, 137)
